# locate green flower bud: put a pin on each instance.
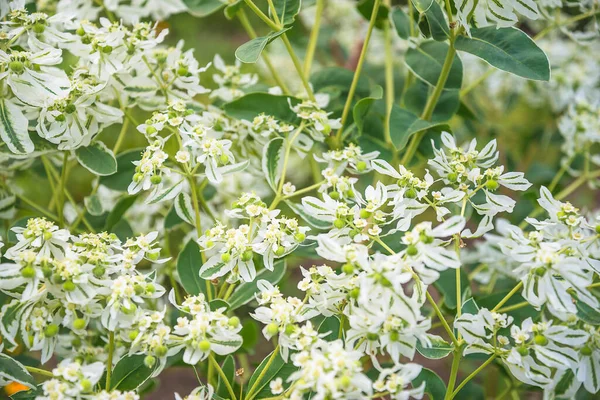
(412, 250)
(150, 130)
(492, 184)
(598, 229)
(155, 179)
(410, 194)
(161, 350)
(523, 351)
(347, 268)
(540, 340)
(39, 27)
(247, 255)
(129, 311)
(60, 118)
(69, 286)
(350, 193)
(353, 233)
(372, 336)
(225, 257)
(182, 71)
(224, 158)
(204, 345)
(47, 271)
(99, 271)
(70, 108)
(138, 289)
(299, 237)
(339, 223)
(365, 214)
(361, 166)
(86, 385)
(153, 256)
(79, 323)
(272, 329)
(80, 31)
(150, 288)
(149, 361)
(290, 329)
(354, 293)
(345, 381)
(586, 350)
(233, 322)
(76, 342)
(540, 271)
(280, 250)
(452, 177)
(107, 49)
(16, 66)
(28, 272)
(326, 129)
(133, 335)
(47, 235)
(334, 195)
(51, 330)
(394, 336)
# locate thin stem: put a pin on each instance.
(508, 296)
(216, 365)
(298, 67)
(61, 194)
(431, 102)
(453, 374)
(389, 77)
(303, 190)
(252, 34)
(109, 360)
(359, 65)
(514, 307)
(314, 36)
(39, 371)
(473, 374)
(194, 196)
(262, 15)
(440, 316)
(250, 395)
(121, 136)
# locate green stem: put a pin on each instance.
(431, 102)
(514, 307)
(508, 296)
(252, 34)
(440, 316)
(298, 67)
(473, 374)
(121, 136)
(359, 65)
(389, 77)
(109, 360)
(453, 374)
(250, 395)
(61, 195)
(224, 379)
(262, 15)
(314, 36)
(196, 205)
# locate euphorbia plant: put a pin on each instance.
(353, 197)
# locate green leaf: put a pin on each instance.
(422, 5)
(93, 205)
(312, 221)
(203, 8)
(437, 22)
(404, 124)
(251, 105)
(363, 106)
(245, 292)
(469, 306)
(228, 368)
(587, 313)
(439, 348)
(97, 159)
(122, 229)
(272, 161)
(272, 372)
(508, 49)
(434, 385)
(188, 268)
(232, 9)
(286, 10)
(13, 128)
(365, 8)
(416, 97)
(184, 209)
(130, 373)
(125, 170)
(216, 304)
(426, 62)
(249, 333)
(12, 370)
(331, 326)
(250, 51)
(401, 23)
